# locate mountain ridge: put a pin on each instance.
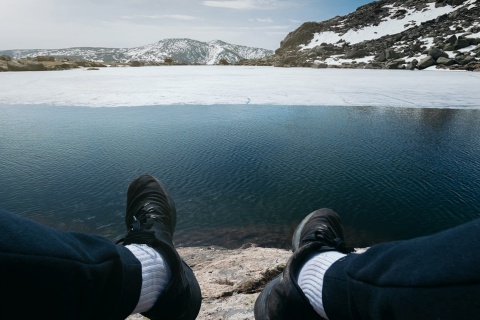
(181, 50)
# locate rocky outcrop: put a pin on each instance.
(48, 63)
(232, 279)
(418, 45)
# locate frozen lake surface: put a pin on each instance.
(207, 85)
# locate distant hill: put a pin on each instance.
(388, 34)
(185, 51)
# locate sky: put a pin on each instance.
(57, 24)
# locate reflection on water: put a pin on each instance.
(245, 174)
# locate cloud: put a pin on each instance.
(163, 16)
(246, 4)
(180, 17)
(266, 20)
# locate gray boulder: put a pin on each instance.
(16, 66)
(445, 61)
(436, 53)
(412, 65)
(45, 58)
(356, 54)
(451, 40)
(3, 66)
(391, 54)
(461, 43)
(426, 62)
(449, 47)
(34, 66)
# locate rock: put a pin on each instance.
(469, 59)
(97, 64)
(354, 54)
(45, 58)
(16, 66)
(68, 65)
(412, 65)
(441, 18)
(394, 64)
(436, 53)
(3, 66)
(445, 61)
(136, 64)
(426, 62)
(451, 40)
(461, 43)
(92, 68)
(391, 54)
(231, 280)
(449, 47)
(34, 66)
(5, 58)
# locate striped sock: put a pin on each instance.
(155, 275)
(311, 276)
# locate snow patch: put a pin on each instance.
(388, 26)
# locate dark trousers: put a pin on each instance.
(47, 273)
(433, 277)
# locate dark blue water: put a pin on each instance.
(245, 174)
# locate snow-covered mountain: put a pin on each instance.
(389, 34)
(179, 50)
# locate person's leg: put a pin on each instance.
(60, 275)
(282, 298)
(151, 220)
(78, 276)
(433, 277)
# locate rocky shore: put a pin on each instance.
(49, 63)
(231, 279)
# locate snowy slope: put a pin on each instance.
(390, 34)
(388, 26)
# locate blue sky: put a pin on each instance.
(50, 24)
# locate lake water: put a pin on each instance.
(243, 174)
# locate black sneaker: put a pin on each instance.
(151, 220)
(282, 298)
(322, 226)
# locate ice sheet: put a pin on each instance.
(206, 85)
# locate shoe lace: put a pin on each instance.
(139, 232)
(324, 233)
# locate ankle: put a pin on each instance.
(156, 275)
(310, 279)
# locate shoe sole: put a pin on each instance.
(261, 304)
(195, 294)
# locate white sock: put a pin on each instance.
(311, 276)
(155, 275)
